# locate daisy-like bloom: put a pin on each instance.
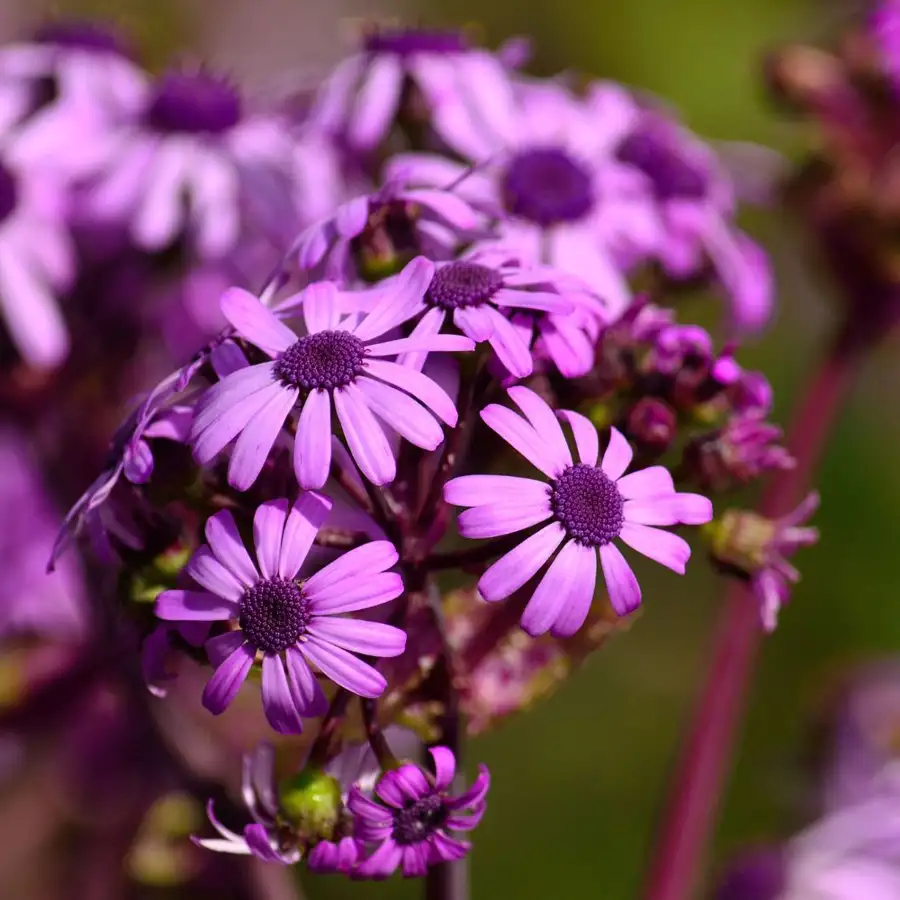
(411, 817)
(187, 165)
(340, 361)
(589, 506)
(546, 168)
(363, 98)
(36, 264)
(285, 622)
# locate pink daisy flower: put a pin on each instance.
(589, 506)
(288, 623)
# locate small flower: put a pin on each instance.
(589, 505)
(884, 26)
(411, 822)
(287, 622)
(338, 361)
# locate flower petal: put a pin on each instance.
(312, 443)
(277, 699)
(444, 767)
(255, 322)
(257, 439)
(553, 591)
(219, 648)
(359, 636)
(193, 606)
(225, 540)
(415, 860)
(624, 590)
(511, 571)
(475, 795)
(228, 392)
(376, 102)
(351, 596)
(320, 300)
(650, 482)
(475, 322)
(382, 863)
(670, 509)
(344, 669)
(308, 696)
(521, 436)
(578, 604)
(206, 570)
(482, 490)
(304, 520)
(268, 528)
(406, 416)
(226, 681)
(400, 298)
(507, 343)
(365, 437)
(663, 546)
(420, 386)
(376, 556)
(617, 456)
(544, 422)
(499, 519)
(587, 441)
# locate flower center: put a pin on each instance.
(463, 284)
(671, 175)
(419, 819)
(193, 103)
(274, 614)
(80, 36)
(324, 361)
(588, 505)
(404, 41)
(547, 186)
(9, 192)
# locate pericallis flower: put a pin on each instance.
(360, 102)
(339, 361)
(186, 165)
(283, 622)
(36, 264)
(590, 506)
(546, 168)
(412, 815)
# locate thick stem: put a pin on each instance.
(704, 766)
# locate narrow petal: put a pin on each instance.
(617, 456)
(437, 343)
(268, 527)
(308, 696)
(584, 579)
(219, 648)
(624, 590)
(475, 795)
(521, 436)
(376, 102)
(541, 300)
(482, 490)
(663, 546)
(544, 422)
(376, 556)
(225, 394)
(415, 861)
(467, 821)
(226, 681)
(511, 571)
(312, 443)
(255, 322)
(304, 520)
(362, 806)
(359, 636)
(400, 299)
(444, 767)
(429, 325)
(646, 483)
(193, 606)
(320, 303)
(207, 571)
(277, 699)
(447, 849)
(420, 386)
(553, 592)
(365, 437)
(260, 845)
(226, 542)
(475, 322)
(406, 416)
(364, 592)
(507, 343)
(257, 439)
(411, 781)
(344, 669)
(670, 509)
(383, 862)
(587, 441)
(503, 518)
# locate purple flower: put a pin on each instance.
(361, 100)
(884, 26)
(545, 167)
(36, 264)
(339, 360)
(589, 507)
(411, 823)
(289, 623)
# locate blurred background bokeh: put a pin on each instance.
(581, 780)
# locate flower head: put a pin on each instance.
(339, 361)
(412, 815)
(589, 505)
(288, 623)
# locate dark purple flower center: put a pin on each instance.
(81, 35)
(324, 361)
(587, 503)
(671, 175)
(463, 284)
(274, 614)
(193, 103)
(404, 41)
(419, 819)
(9, 192)
(547, 186)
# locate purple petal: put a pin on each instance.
(382, 863)
(406, 416)
(417, 384)
(663, 546)
(587, 441)
(268, 527)
(277, 699)
(503, 518)
(257, 439)
(444, 767)
(670, 509)
(219, 648)
(225, 540)
(553, 591)
(255, 322)
(511, 571)
(376, 102)
(222, 397)
(304, 686)
(258, 841)
(227, 358)
(138, 462)
(373, 813)
(370, 558)
(436, 343)
(624, 590)
(312, 443)
(447, 206)
(304, 520)
(207, 571)
(193, 606)
(323, 858)
(482, 490)
(415, 860)
(359, 636)
(363, 592)
(581, 595)
(467, 821)
(617, 456)
(646, 483)
(540, 300)
(477, 323)
(521, 436)
(320, 300)
(400, 299)
(447, 849)
(544, 422)
(507, 343)
(365, 437)
(226, 681)
(429, 325)
(344, 669)
(410, 780)
(475, 795)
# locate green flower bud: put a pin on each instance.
(311, 801)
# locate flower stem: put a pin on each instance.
(690, 814)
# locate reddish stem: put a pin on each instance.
(704, 765)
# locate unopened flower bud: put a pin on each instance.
(311, 801)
